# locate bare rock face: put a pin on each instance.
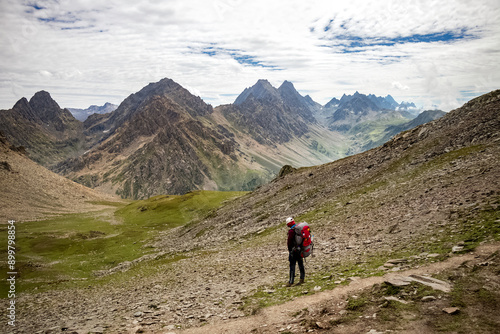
(49, 133)
(271, 115)
(160, 140)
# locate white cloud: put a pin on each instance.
(45, 74)
(103, 51)
(399, 85)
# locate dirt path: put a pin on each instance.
(272, 319)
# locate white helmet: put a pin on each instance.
(289, 220)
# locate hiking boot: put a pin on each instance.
(289, 284)
(300, 282)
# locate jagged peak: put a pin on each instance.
(288, 88)
(43, 104)
(21, 104)
(333, 102)
(263, 82)
(309, 99)
(259, 90)
(286, 84)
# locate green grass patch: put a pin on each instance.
(354, 304)
(66, 250)
(167, 211)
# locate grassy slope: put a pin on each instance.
(66, 250)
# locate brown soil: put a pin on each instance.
(31, 192)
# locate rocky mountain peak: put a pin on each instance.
(83, 114)
(165, 89)
(45, 106)
(334, 102)
(287, 90)
(194, 105)
(287, 85)
(48, 133)
(260, 91)
(390, 99)
(23, 107)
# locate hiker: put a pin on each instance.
(294, 253)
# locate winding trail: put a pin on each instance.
(271, 319)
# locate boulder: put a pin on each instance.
(451, 310)
(432, 282)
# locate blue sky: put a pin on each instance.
(83, 52)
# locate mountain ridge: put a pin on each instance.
(230, 147)
(49, 133)
(83, 114)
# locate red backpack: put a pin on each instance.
(303, 239)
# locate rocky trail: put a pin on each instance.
(203, 294)
(279, 318)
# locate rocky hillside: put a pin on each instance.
(49, 134)
(271, 116)
(160, 140)
(30, 191)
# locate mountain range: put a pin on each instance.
(83, 114)
(163, 139)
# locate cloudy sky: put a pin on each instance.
(83, 52)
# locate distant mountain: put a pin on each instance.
(277, 126)
(333, 103)
(49, 134)
(383, 135)
(271, 116)
(387, 102)
(424, 117)
(192, 105)
(409, 107)
(351, 110)
(162, 140)
(83, 114)
(359, 103)
(366, 120)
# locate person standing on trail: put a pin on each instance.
(294, 253)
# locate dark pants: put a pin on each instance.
(294, 258)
